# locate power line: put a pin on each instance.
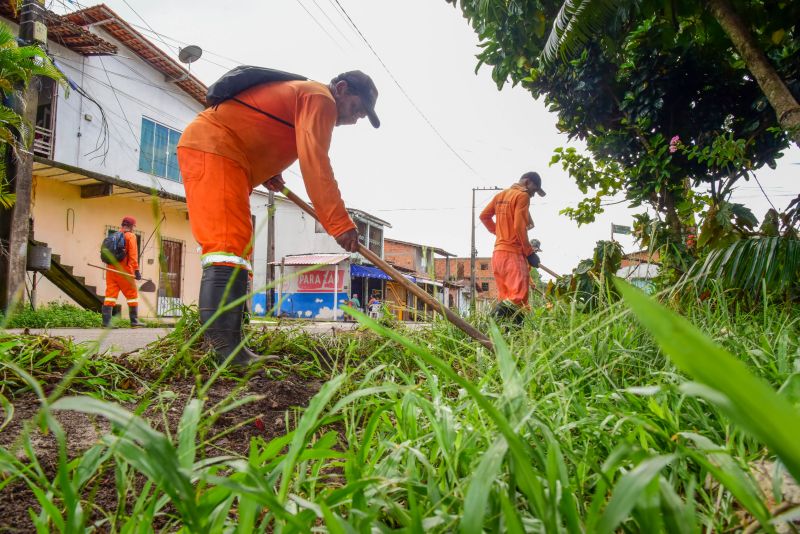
(320, 25)
(325, 13)
(405, 94)
(114, 91)
(146, 23)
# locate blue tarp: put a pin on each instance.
(363, 271)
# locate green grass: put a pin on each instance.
(578, 422)
(52, 315)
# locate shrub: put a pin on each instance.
(52, 315)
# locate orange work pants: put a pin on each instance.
(511, 275)
(116, 283)
(218, 197)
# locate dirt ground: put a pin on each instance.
(265, 417)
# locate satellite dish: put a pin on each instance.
(190, 54)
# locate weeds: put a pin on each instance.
(578, 423)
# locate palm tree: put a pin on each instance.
(580, 21)
(18, 66)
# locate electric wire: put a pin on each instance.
(405, 93)
(320, 25)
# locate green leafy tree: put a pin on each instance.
(582, 21)
(651, 76)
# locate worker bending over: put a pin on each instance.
(507, 217)
(247, 141)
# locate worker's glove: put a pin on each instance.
(137, 275)
(275, 183)
(533, 260)
(348, 240)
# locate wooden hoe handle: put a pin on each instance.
(403, 281)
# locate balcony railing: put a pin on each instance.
(43, 142)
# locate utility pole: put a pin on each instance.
(15, 222)
(473, 252)
(270, 250)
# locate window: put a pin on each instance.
(376, 240)
(158, 151)
(484, 266)
(361, 226)
(484, 286)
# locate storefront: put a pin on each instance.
(314, 286)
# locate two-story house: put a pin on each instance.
(105, 148)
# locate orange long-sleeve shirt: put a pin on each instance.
(265, 147)
(510, 209)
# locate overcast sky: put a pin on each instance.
(404, 172)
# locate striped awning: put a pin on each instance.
(314, 259)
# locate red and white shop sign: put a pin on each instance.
(319, 281)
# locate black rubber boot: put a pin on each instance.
(133, 314)
(106, 311)
(506, 311)
(225, 333)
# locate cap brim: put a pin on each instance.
(373, 118)
(540, 192)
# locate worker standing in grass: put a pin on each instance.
(506, 216)
(119, 282)
(248, 140)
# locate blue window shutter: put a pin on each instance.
(160, 151)
(146, 148)
(173, 171)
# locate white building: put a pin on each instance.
(105, 148)
(297, 233)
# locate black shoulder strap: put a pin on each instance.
(270, 115)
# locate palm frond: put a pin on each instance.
(577, 23)
(747, 263)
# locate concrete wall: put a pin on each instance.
(74, 228)
(138, 91)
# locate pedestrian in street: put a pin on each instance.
(249, 140)
(116, 282)
(507, 217)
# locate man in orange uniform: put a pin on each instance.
(512, 251)
(249, 140)
(119, 282)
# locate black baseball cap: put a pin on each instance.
(363, 86)
(536, 180)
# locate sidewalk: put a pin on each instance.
(121, 340)
(118, 340)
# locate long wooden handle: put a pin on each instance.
(467, 328)
(548, 271)
(123, 273)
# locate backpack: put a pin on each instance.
(242, 78)
(113, 248)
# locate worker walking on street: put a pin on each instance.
(507, 217)
(249, 140)
(128, 261)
